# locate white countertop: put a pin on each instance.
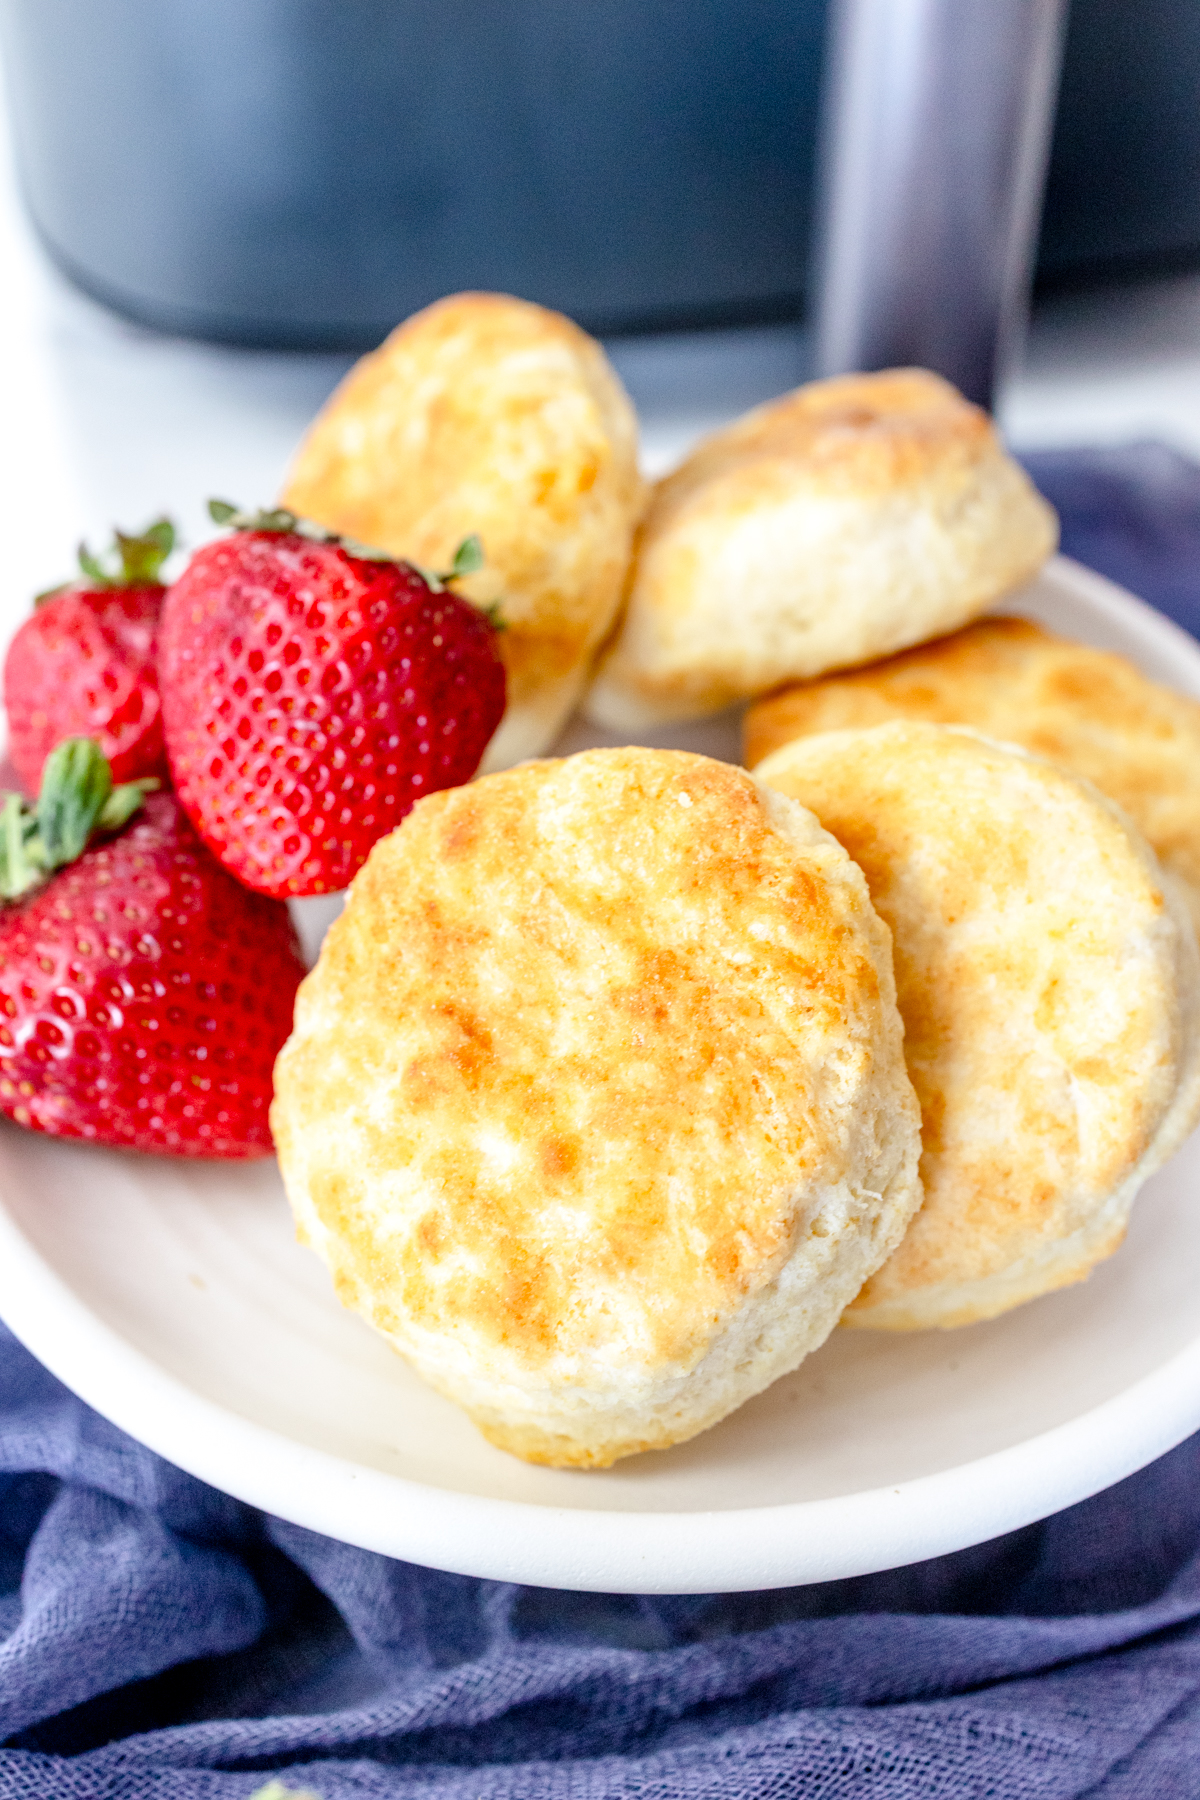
(104, 422)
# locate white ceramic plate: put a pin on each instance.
(173, 1298)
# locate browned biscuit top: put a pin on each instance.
(835, 525)
(1089, 710)
(868, 433)
(485, 414)
(1037, 976)
(582, 1034)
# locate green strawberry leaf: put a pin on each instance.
(224, 512)
(279, 519)
(18, 870)
(93, 568)
(76, 800)
(467, 558)
(76, 784)
(143, 556)
(124, 801)
(132, 560)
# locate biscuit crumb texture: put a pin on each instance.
(1090, 711)
(488, 415)
(596, 1104)
(1049, 981)
(845, 521)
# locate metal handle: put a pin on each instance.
(936, 121)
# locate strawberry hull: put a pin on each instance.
(311, 697)
(144, 995)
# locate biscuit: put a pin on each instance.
(596, 1102)
(847, 520)
(1049, 981)
(1089, 710)
(485, 414)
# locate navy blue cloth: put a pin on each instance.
(1133, 512)
(159, 1639)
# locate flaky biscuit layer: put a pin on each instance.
(1089, 710)
(596, 1103)
(843, 522)
(1048, 977)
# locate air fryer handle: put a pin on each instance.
(936, 118)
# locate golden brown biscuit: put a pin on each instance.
(486, 414)
(596, 1103)
(1049, 983)
(845, 521)
(1089, 710)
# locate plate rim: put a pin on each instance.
(726, 1550)
(765, 1546)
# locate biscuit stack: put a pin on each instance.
(622, 1078)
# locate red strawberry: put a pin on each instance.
(311, 695)
(144, 993)
(84, 664)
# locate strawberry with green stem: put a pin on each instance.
(144, 993)
(84, 664)
(313, 690)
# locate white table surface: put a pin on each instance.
(102, 422)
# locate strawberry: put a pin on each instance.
(84, 664)
(312, 692)
(144, 993)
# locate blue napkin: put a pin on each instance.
(159, 1639)
(1133, 512)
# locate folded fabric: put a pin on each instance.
(159, 1639)
(213, 1644)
